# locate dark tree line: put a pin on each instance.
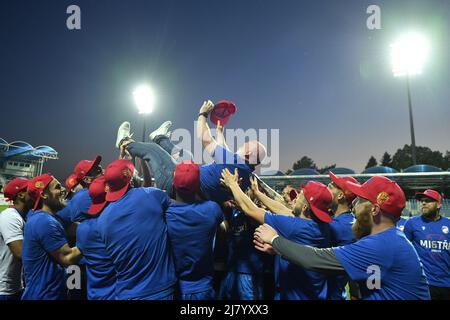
(401, 160)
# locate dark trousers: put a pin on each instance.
(440, 293)
(158, 156)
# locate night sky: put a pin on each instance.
(309, 68)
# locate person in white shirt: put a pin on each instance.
(11, 237)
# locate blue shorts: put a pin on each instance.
(241, 286)
(205, 295)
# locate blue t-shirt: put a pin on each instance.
(134, 231)
(401, 223)
(432, 242)
(242, 255)
(45, 279)
(295, 282)
(341, 235)
(389, 257)
(76, 208)
(210, 174)
(192, 228)
(101, 276)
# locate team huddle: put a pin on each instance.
(165, 238)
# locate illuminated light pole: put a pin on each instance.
(408, 55)
(144, 100)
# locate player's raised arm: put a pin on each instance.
(242, 200)
(203, 130)
(273, 205)
(220, 137)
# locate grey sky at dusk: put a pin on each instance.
(309, 68)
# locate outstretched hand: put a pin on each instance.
(265, 233)
(124, 154)
(263, 247)
(254, 185)
(228, 179)
(207, 106)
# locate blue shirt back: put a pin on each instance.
(401, 223)
(295, 282)
(134, 231)
(341, 234)
(392, 257)
(432, 242)
(76, 209)
(101, 276)
(45, 279)
(192, 228)
(242, 255)
(210, 174)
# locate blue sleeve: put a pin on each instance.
(283, 224)
(408, 230)
(217, 212)
(50, 234)
(65, 215)
(356, 258)
(80, 235)
(161, 196)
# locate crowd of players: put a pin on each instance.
(214, 231)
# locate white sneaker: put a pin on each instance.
(163, 130)
(123, 133)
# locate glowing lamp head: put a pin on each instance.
(144, 99)
(409, 54)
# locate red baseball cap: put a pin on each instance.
(340, 182)
(71, 182)
(118, 175)
(97, 192)
(383, 192)
(319, 199)
(14, 187)
(37, 185)
(84, 166)
(429, 193)
(222, 112)
(186, 178)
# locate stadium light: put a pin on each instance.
(144, 100)
(408, 56)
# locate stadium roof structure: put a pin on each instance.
(304, 172)
(24, 149)
(272, 173)
(340, 170)
(415, 178)
(379, 169)
(423, 168)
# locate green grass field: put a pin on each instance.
(2, 207)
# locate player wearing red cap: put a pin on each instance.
(341, 229)
(72, 186)
(429, 233)
(45, 251)
(100, 274)
(383, 262)
(83, 175)
(11, 237)
(134, 232)
(192, 225)
(310, 228)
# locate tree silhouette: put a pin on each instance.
(372, 162)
